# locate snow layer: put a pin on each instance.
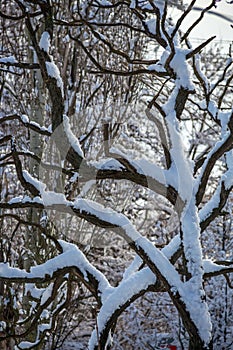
(24, 118)
(210, 205)
(181, 68)
(227, 181)
(45, 42)
(71, 256)
(8, 59)
(192, 292)
(40, 186)
(111, 163)
(71, 137)
(126, 290)
(53, 72)
(151, 25)
(132, 284)
(229, 174)
(210, 266)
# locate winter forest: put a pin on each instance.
(116, 177)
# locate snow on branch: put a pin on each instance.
(54, 72)
(225, 184)
(121, 296)
(222, 146)
(133, 284)
(24, 119)
(158, 179)
(71, 258)
(45, 41)
(74, 142)
(214, 269)
(185, 186)
(8, 59)
(152, 256)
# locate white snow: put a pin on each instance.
(10, 272)
(53, 198)
(8, 59)
(47, 197)
(45, 41)
(74, 178)
(105, 3)
(210, 205)
(112, 164)
(26, 345)
(33, 290)
(228, 180)
(70, 257)
(24, 118)
(40, 186)
(87, 187)
(133, 282)
(181, 168)
(191, 292)
(47, 293)
(42, 128)
(172, 247)
(191, 235)
(132, 4)
(53, 72)
(211, 267)
(120, 295)
(133, 267)
(25, 199)
(182, 70)
(151, 25)
(15, 200)
(71, 137)
(157, 67)
(147, 168)
(224, 118)
(212, 108)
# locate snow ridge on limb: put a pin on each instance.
(225, 183)
(222, 146)
(104, 217)
(119, 299)
(185, 186)
(218, 200)
(153, 257)
(71, 257)
(133, 284)
(23, 118)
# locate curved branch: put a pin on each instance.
(31, 125)
(215, 154)
(22, 65)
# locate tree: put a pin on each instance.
(107, 74)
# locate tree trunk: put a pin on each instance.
(196, 344)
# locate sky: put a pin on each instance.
(212, 24)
